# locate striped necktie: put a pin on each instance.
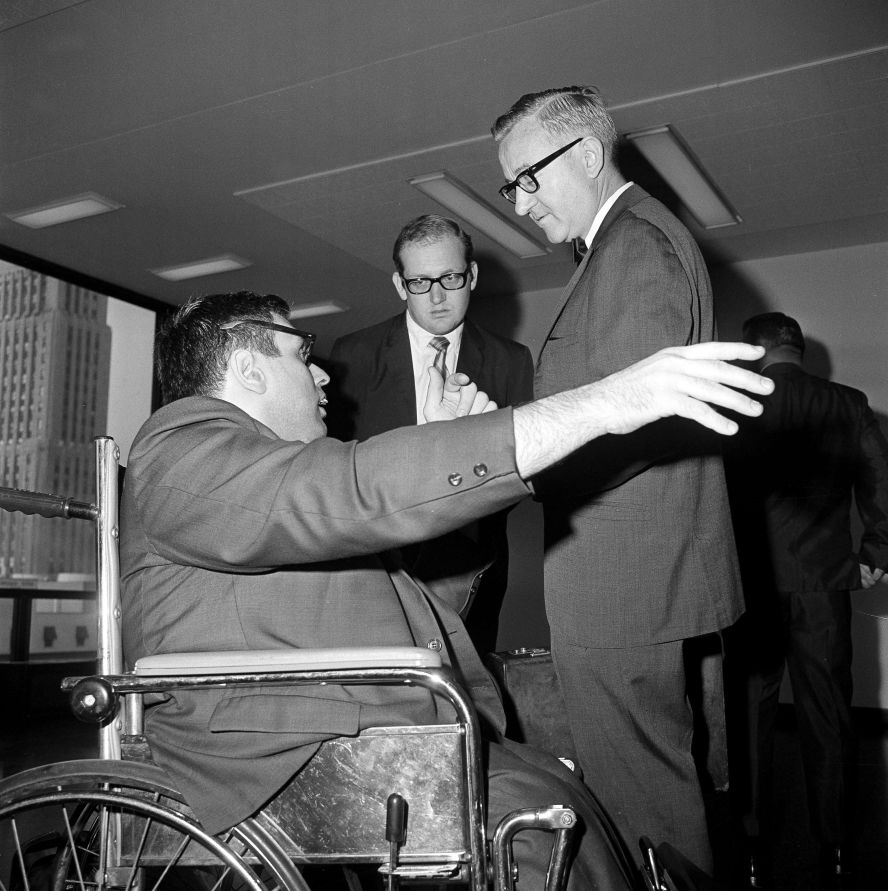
(440, 344)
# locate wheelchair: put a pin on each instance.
(406, 802)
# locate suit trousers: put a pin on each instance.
(809, 632)
(521, 776)
(632, 728)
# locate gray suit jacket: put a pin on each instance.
(234, 539)
(639, 547)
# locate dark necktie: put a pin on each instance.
(580, 249)
(440, 344)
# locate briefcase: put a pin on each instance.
(532, 700)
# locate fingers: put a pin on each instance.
(866, 577)
(468, 393)
(726, 351)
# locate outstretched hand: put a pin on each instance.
(684, 381)
(454, 398)
(687, 382)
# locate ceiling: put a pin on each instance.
(284, 132)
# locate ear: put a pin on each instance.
(399, 285)
(592, 156)
(473, 275)
(245, 369)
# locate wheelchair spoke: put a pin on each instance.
(70, 835)
(21, 856)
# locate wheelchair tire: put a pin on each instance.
(102, 825)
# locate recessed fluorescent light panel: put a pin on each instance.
(89, 204)
(671, 157)
(199, 268)
(308, 310)
(461, 200)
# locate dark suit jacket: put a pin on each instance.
(373, 376)
(373, 392)
(234, 539)
(639, 547)
(793, 472)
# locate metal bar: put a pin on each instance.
(110, 647)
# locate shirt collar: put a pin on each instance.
(419, 337)
(602, 213)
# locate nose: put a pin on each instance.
(321, 378)
(437, 294)
(524, 201)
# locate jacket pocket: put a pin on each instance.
(282, 712)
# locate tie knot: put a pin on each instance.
(439, 343)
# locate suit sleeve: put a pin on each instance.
(643, 300)
(219, 496)
(871, 492)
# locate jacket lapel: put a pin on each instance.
(395, 374)
(631, 196)
(471, 352)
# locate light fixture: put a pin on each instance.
(209, 266)
(461, 200)
(308, 310)
(89, 204)
(668, 153)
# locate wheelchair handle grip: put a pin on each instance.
(45, 505)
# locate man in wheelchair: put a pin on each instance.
(244, 528)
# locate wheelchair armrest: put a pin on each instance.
(261, 661)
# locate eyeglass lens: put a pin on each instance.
(450, 281)
(526, 179)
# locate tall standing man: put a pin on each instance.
(382, 377)
(640, 556)
(793, 474)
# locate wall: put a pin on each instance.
(840, 298)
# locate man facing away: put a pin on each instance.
(640, 558)
(244, 527)
(382, 380)
(793, 474)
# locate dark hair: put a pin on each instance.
(774, 329)
(565, 112)
(429, 229)
(191, 348)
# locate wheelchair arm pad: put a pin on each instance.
(261, 661)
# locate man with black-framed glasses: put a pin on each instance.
(381, 378)
(640, 563)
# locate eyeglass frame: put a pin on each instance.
(510, 190)
(436, 281)
(308, 338)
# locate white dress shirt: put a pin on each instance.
(423, 356)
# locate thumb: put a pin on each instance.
(436, 385)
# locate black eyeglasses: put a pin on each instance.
(307, 338)
(450, 281)
(526, 180)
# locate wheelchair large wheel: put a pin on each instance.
(119, 826)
